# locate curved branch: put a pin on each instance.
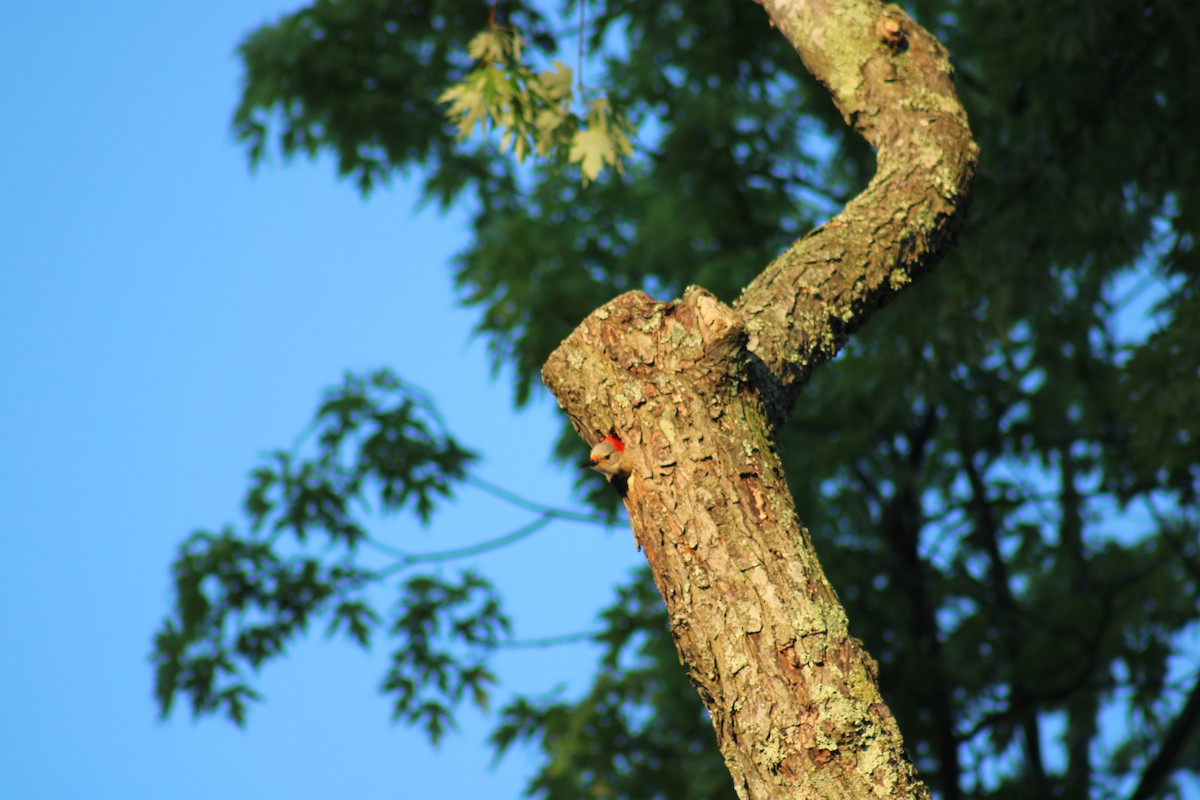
(533, 505)
(892, 81)
(406, 560)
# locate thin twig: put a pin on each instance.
(405, 560)
(550, 641)
(530, 505)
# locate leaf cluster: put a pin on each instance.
(374, 434)
(427, 676)
(240, 599)
(220, 578)
(534, 110)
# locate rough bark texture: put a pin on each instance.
(892, 82)
(694, 388)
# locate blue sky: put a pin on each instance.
(166, 317)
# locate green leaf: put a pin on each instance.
(469, 104)
(555, 84)
(592, 149)
(488, 45)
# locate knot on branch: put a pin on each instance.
(634, 354)
(889, 27)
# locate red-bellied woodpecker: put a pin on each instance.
(608, 457)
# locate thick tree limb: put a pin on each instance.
(793, 696)
(892, 82)
(695, 389)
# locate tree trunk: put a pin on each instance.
(695, 389)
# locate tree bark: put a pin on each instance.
(695, 389)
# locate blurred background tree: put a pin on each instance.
(1000, 471)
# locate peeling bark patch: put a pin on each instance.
(754, 495)
(792, 766)
(821, 757)
(790, 669)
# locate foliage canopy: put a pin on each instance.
(1001, 471)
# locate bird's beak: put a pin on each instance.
(587, 464)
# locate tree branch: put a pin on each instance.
(695, 390)
(901, 523)
(987, 529)
(1183, 727)
(892, 81)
